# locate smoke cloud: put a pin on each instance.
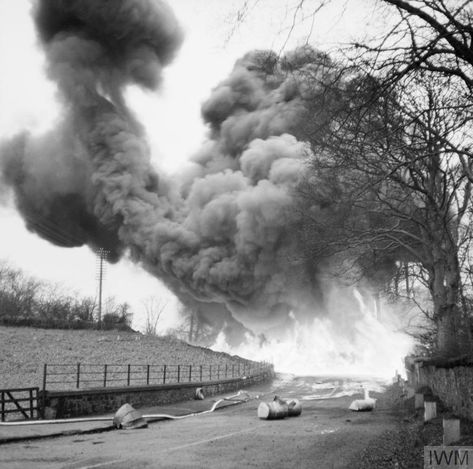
(227, 233)
(93, 49)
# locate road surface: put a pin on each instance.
(326, 435)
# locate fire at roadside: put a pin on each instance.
(226, 234)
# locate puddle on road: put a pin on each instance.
(326, 432)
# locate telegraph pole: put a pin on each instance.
(102, 255)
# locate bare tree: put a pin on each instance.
(430, 35)
(18, 292)
(154, 308)
(399, 191)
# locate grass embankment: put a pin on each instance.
(24, 350)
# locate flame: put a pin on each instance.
(323, 347)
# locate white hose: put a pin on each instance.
(44, 422)
(215, 405)
(105, 419)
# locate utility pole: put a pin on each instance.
(102, 255)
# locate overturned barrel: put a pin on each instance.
(129, 418)
(279, 409)
(276, 409)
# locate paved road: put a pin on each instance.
(326, 435)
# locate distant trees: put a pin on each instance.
(25, 301)
(193, 329)
(18, 293)
(116, 315)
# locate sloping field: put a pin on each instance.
(24, 350)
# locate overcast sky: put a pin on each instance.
(171, 116)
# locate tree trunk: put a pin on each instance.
(191, 336)
(449, 344)
(453, 335)
(406, 276)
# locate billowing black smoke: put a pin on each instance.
(93, 49)
(227, 231)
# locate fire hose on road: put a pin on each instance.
(147, 417)
(212, 409)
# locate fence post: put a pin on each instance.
(31, 404)
(210, 377)
(239, 369)
(105, 376)
(190, 373)
(233, 370)
(78, 376)
(164, 374)
(200, 373)
(226, 370)
(178, 373)
(128, 375)
(45, 374)
(43, 395)
(3, 406)
(147, 374)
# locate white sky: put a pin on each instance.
(171, 116)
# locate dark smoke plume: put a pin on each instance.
(94, 48)
(227, 233)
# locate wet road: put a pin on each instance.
(326, 435)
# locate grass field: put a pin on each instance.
(24, 350)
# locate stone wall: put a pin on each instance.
(67, 404)
(452, 383)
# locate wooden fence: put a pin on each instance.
(17, 403)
